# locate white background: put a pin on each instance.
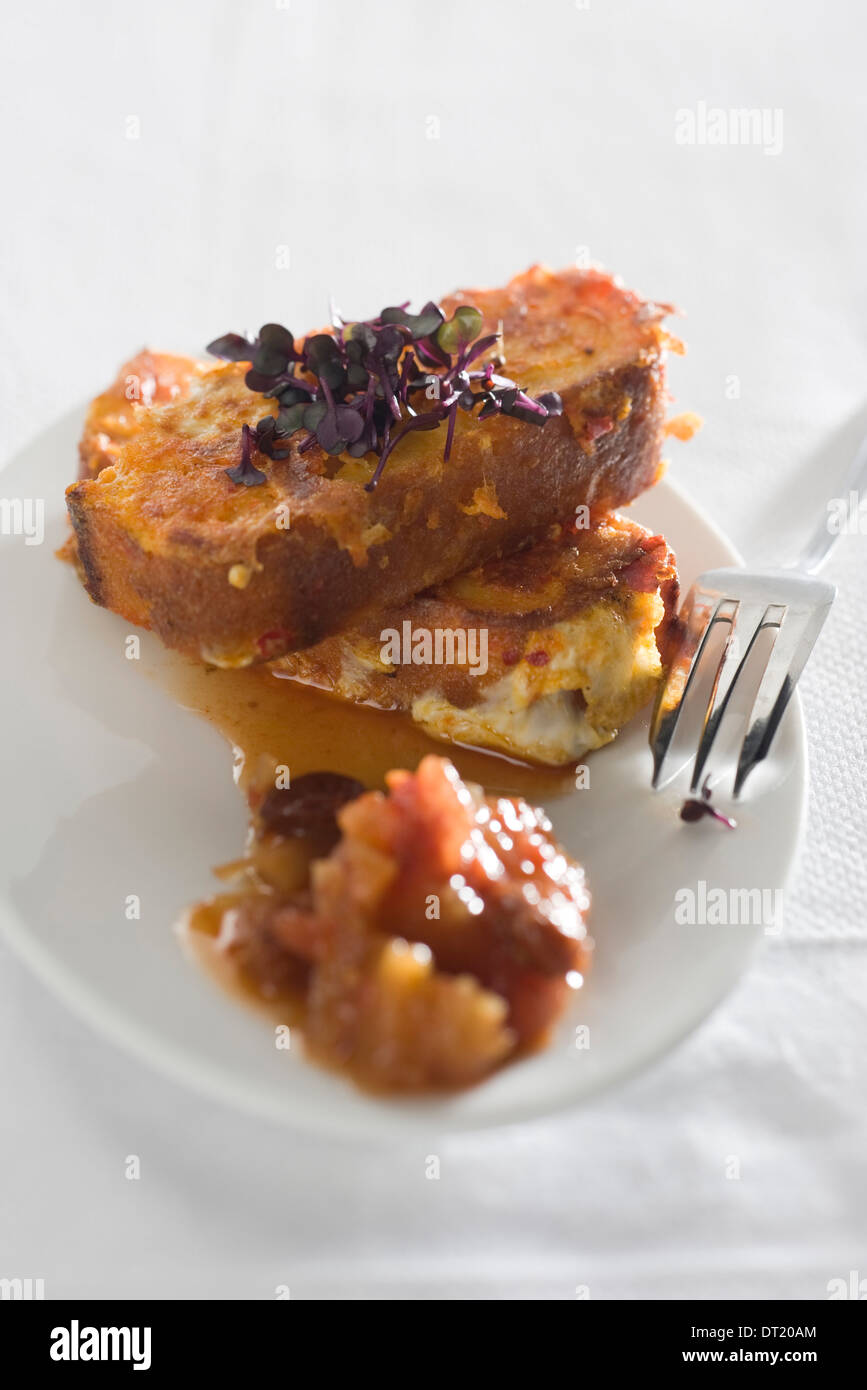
(305, 126)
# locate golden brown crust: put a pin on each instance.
(518, 602)
(162, 526)
(149, 378)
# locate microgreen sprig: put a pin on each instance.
(360, 389)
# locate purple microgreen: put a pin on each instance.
(258, 381)
(269, 436)
(268, 362)
(459, 331)
(362, 336)
(233, 347)
(693, 810)
(432, 355)
(291, 419)
(295, 391)
(418, 422)
(479, 348)
(245, 471)
(278, 339)
(420, 325)
(356, 394)
(388, 394)
(356, 376)
(450, 432)
(314, 414)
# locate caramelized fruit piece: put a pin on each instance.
(440, 936)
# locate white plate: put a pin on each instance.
(110, 790)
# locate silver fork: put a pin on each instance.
(745, 639)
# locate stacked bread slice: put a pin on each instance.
(512, 544)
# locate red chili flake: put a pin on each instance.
(601, 424)
(539, 658)
(511, 657)
(274, 642)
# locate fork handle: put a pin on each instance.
(818, 547)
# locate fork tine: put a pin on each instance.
(787, 661)
(768, 622)
(689, 671)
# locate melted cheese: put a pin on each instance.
(531, 712)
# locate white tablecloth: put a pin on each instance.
(162, 167)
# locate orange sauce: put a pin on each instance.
(269, 719)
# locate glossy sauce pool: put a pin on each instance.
(271, 721)
(268, 718)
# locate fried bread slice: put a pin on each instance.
(148, 379)
(236, 574)
(543, 655)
